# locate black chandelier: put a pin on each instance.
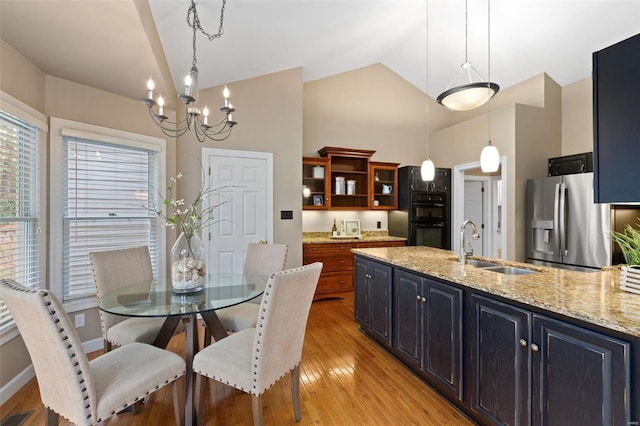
(196, 119)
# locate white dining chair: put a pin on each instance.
(113, 269)
(254, 359)
(82, 391)
(261, 259)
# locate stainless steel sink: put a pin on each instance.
(509, 270)
(480, 263)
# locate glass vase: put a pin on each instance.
(188, 265)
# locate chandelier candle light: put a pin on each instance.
(195, 119)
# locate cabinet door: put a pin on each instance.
(383, 186)
(361, 292)
(616, 108)
(408, 317)
(380, 301)
(442, 334)
(315, 179)
(579, 377)
(499, 363)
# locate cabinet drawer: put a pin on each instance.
(334, 282)
(329, 249)
(332, 263)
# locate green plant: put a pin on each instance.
(189, 219)
(629, 243)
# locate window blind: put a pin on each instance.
(106, 190)
(19, 215)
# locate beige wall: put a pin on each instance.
(369, 108)
(20, 78)
(577, 117)
(269, 115)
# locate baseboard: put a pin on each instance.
(22, 378)
(15, 384)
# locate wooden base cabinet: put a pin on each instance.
(372, 298)
(427, 318)
(337, 260)
(525, 368)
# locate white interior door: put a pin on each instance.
(245, 180)
(473, 210)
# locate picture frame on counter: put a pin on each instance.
(317, 200)
(352, 228)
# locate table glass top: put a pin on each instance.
(155, 298)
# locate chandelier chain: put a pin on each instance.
(194, 22)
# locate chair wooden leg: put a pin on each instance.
(178, 400)
(50, 417)
(207, 337)
(202, 383)
(295, 392)
(256, 407)
(135, 407)
(107, 346)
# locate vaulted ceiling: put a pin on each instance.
(116, 45)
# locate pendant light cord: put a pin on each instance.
(489, 59)
(427, 75)
(466, 32)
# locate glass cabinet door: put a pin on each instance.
(315, 182)
(383, 179)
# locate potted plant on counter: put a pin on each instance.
(629, 243)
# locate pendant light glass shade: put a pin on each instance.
(489, 159)
(468, 96)
(428, 170)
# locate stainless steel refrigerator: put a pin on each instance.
(565, 228)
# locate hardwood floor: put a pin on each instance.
(346, 379)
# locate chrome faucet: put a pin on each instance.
(467, 251)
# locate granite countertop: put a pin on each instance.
(367, 236)
(593, 297)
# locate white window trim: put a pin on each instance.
(18, 109)
(60, 128)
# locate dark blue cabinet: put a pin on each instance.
(616, 127)
(428, 328)
(499, 362)
(579, 377)
(526, 368)
(373, 298)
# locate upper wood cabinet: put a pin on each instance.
(349, 181)
(616, 123)
(314, 178)
(383, 181)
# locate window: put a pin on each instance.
(107, 184)
(21, 239)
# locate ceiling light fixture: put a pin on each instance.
(427, 170)
(195, 119)
(470, 94)
(489, 157)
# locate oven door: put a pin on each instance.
(431, 234)
(434, 210)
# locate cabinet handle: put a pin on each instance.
(423, 299)
(418, 298)
(534, 347)
(523, 343)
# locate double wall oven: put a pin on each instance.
(424, 208)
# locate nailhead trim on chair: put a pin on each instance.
(47, 302)
(79, 372)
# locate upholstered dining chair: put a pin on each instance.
(113, 269)
(82, 391)
(253, 359)
(261, 259)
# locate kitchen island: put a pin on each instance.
(550, 347)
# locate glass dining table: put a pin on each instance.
(155, 299)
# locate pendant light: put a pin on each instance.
(489, 157)
(427, 170)
(470, 94)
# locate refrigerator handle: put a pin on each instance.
(556, 218)
(563, 219)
